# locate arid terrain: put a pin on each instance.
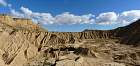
(23, 43)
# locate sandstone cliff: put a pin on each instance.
(19, 23)
(22, 47)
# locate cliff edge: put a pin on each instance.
(19, 23)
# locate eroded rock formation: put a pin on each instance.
(19, 23)
(30, 47)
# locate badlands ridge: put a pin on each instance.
(23, 43)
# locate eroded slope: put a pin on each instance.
(22, 47)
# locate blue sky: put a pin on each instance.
(75, 15)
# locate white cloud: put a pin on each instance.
(3, 2)
(16, 14)
(67, 18)
(26, 11)
(122, 19)
(106, 18)
(47, 18)
(128, 17)
(44, 18)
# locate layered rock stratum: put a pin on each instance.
(23, 43)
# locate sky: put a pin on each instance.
(74, 15)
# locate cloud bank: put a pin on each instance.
(47, 18)
(3, 3)
(107, 18)
(128, 17)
